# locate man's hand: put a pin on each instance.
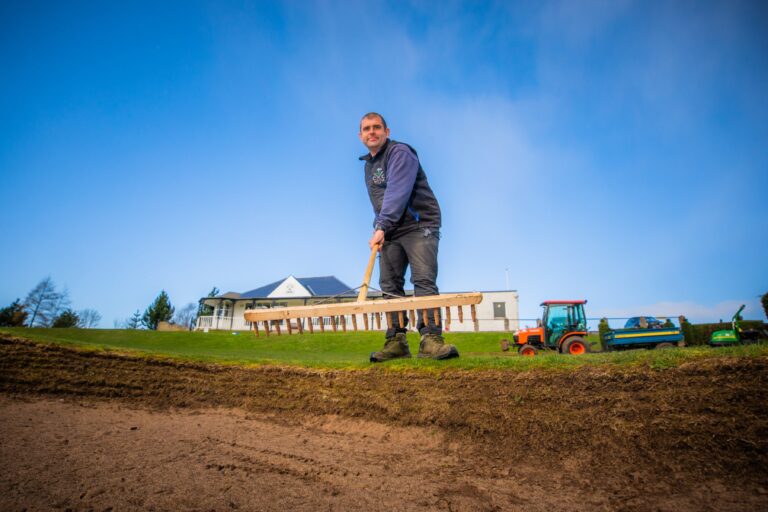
(376, 239)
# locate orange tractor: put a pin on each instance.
(563, 327)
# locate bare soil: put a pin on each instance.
(100, 431)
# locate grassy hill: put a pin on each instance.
(350, 350)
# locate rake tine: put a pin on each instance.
(311, 327)
(474, 313)
(378, 321)
(322, 324)
(461, 314)
(365, 321)
(447, 316)
(266, 327)
(408, 310)
(256, 328)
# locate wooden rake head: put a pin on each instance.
(397, 311)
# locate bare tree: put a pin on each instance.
(42, 303)
(62, 304)
(186, 315)
(88, 318)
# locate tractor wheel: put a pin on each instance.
(575, 346)
(528, 350)
(665, 345)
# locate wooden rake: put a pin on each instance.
(370, 310)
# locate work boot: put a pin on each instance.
(433, 346)
(396, 347)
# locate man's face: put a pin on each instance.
(373, 134)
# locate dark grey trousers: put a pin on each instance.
(419, 250)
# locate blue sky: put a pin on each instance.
(607, 150)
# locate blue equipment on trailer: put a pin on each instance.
(648, 333)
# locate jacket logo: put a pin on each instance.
(378, 176)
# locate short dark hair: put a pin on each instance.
(374, 114)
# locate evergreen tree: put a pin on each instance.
(764, 300)
(603, 329)
(134, 322)
(204, 309)
(160, 310)
(687, 329)
(67, 318)
(13, 315)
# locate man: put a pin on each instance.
(407, 229)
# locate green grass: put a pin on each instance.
(351, 350)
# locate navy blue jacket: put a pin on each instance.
(400, 194)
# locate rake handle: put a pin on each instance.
(367, 278)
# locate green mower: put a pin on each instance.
(736, 335)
